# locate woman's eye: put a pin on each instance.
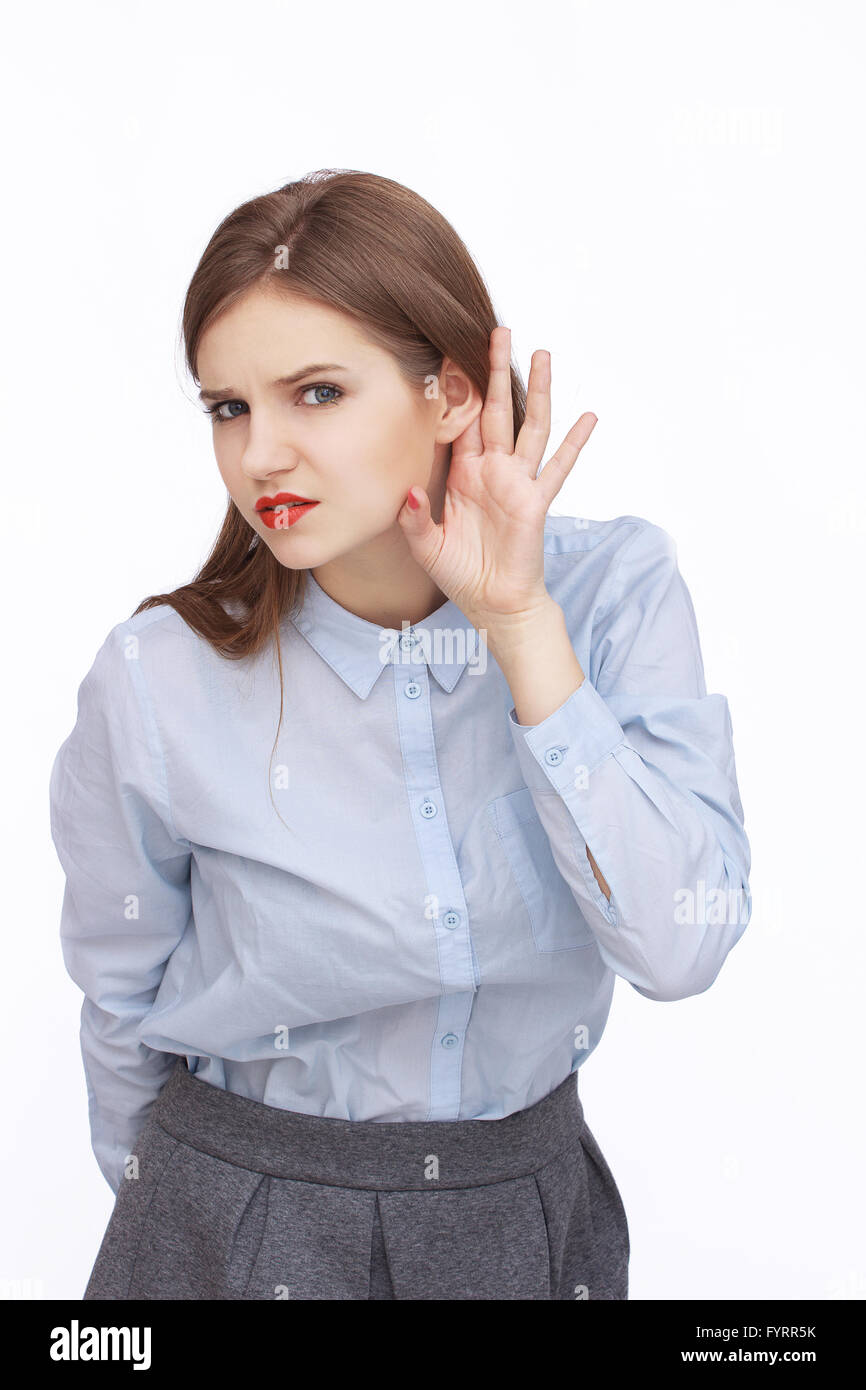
(321, 386)
(236, 408)
(214, 410)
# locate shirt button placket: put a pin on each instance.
(450, 921)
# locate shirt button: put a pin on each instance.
(428, 809)
(553, 756)
(408, 640)
(413, 690)
(451, 918)
(450, 1039)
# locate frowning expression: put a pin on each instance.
(304, 406)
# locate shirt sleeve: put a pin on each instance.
(638, 764)
(126, 901)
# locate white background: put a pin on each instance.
(668, 197)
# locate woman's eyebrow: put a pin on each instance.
(280, 381)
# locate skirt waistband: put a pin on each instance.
(397, 1155)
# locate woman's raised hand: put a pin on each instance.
(487, 553)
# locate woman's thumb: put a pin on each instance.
(421, 530)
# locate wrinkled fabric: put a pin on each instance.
(389, 914)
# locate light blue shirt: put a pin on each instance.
(391, 915)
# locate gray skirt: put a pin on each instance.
(235, 1199)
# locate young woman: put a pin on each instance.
(360, 826)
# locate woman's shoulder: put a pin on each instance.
(165, 623)
(580, 535)
(161, 625)
(586, 557)
(160, 642)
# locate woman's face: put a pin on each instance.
(347, 432)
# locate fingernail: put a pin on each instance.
(411, 501)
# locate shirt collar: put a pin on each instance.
(359, 650)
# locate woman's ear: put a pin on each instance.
(461, 402)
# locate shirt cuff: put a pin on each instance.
(563, 749)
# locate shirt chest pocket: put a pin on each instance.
(557, 922)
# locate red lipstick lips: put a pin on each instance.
(284, 510)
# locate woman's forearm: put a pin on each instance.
(535, 655)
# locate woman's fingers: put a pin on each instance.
(497, 419)
(560, 464)
(535, 431)
(492, 432)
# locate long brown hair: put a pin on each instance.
(377, 251)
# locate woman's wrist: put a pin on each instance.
(534, 652)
